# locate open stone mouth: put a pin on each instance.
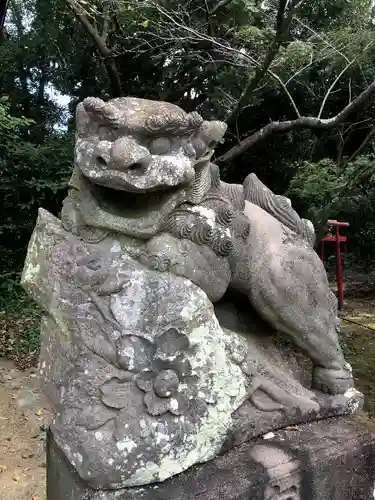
(130, 204)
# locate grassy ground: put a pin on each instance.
(358, 335)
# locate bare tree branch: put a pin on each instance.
(333, 85)
(97, 39)
(219, 6)
(104, 35)
(261, 68)
(323, 39)
(304, 122)
(283, 22)
(285, 16)
(3, 13)
(340, 75)
(277, 78)
(100, 43)
(362, 146)
(308, 65)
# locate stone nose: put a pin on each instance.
(127, 154)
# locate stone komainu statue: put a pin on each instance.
(149, 365)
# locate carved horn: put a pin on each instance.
(104, 109)
(93, 104)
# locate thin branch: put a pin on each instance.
(324, 40)
(219, 6)
(362, 146)
(340, 75)
(261, 68)
(282, 28)
(340, 147)
(329, 44)
(210, 26)
(97, 39)
(100, 43)
(277, 78)
(304, 122)
(355, 125)
(333, 85)
(308, 65)
(104, 35)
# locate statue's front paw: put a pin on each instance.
(332, 381)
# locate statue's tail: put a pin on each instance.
(278, 206)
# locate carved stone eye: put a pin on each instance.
(189, 150)
(105, 134)
(160, 146)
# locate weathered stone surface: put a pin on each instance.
(146, 379)
(278, 380)
(287, 284)
(148, 149)
(279, 207)
(135, 361)
(330, 460)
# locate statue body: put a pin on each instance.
(145, 377)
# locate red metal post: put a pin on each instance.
(337, 238)
(340, 287)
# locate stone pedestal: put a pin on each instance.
(328, 460)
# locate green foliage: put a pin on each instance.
(32, 176)
(19, 324)
(318, 186)
(322, 191)
(9, 125)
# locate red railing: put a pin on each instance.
(336, 238)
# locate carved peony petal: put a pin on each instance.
(198, 409)
(179, 404)
(145, 380)
(115, 393)
(155, 405)
(166, 383)
(134, 353)
(180, 365)
(171, 343)
(94, 417)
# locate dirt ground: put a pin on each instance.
(23, 420)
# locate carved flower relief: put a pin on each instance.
(162, 372)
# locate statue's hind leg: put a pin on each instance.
(312, 323)
(331, 373)
(288, 286)
(325, 378)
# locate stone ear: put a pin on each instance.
(103, 110)
(207, 136)
(213, 131)
(93, 104)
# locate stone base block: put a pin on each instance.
(327, 460)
